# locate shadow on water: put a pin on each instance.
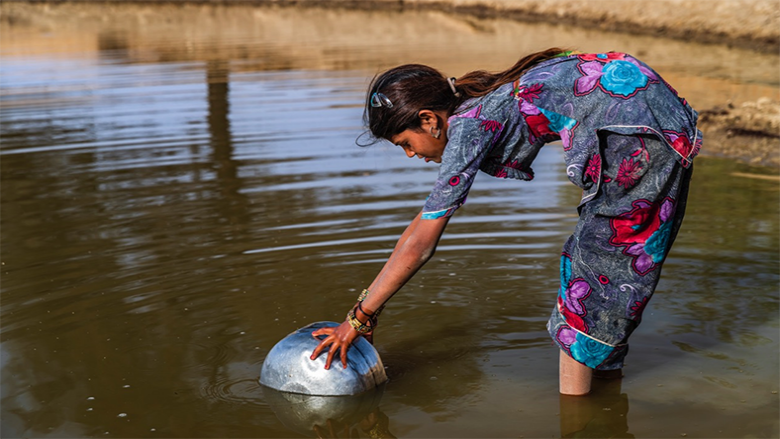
(181, 189)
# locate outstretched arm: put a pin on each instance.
(415, 247)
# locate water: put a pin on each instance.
(181, 189)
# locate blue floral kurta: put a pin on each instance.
(628, 142)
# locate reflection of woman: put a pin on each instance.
(628, 142)
(604, 414)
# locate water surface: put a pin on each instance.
(181, 189)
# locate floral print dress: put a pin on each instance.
(628, 141)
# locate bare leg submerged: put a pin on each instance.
(576, 378)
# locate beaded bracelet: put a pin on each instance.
(360, 327)
(368, 326)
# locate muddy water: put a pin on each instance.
(180, 190)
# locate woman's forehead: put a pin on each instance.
(399, 138)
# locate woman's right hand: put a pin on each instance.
(338, 339)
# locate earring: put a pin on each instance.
(436, 134)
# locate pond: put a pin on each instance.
(181, 189)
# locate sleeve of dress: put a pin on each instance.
(469, 140)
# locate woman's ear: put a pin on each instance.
(428, 119)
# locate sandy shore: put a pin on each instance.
(753, 24)
(749, 133)
(745, 131)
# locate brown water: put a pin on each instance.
(180, 190)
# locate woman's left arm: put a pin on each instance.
(415, 247)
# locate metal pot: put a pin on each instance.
(288, 367)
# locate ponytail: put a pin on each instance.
(396, 96)
(480, 82)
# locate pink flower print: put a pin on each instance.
(667, 210)
(566, 138)
(493, 126)
(490, 125)
(682, 145)
(604, 57)
(529, 109)
(636, 226)
(592, 72)
(566, 335)
(643, 263)
(538, 127)
(645, 232)
(636, 307)
(474, 113)
(570, 304)
(526, 93)
(593, 170)
(696, 147)
(514, 164)
(628, 173)
(577, 292)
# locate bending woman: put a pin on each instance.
(628, 141)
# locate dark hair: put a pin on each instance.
(414, 87)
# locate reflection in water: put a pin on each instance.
(602, 414)
(181, 189)
(331, 416)
(235, 203)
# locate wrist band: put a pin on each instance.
(357, 325)
(371, 323)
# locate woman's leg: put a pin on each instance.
(574, 378)
(611, 264)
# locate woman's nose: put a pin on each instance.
(409, 153)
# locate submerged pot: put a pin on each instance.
(288, 367)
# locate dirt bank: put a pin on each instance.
(749, 133)
(735, 90)
(753, 24)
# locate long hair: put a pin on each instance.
(396, 96)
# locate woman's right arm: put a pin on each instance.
(415, 247)
(404, 236)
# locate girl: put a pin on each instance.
(628, 142)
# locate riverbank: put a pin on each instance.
(750, 24)
(720, 54)
(749, 133)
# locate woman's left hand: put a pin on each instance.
(339, 338)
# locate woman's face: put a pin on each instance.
(421, 144)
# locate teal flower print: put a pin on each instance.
(658, 242)
(589, 351)
(622, 78)
(565, 273)
(558, 122)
